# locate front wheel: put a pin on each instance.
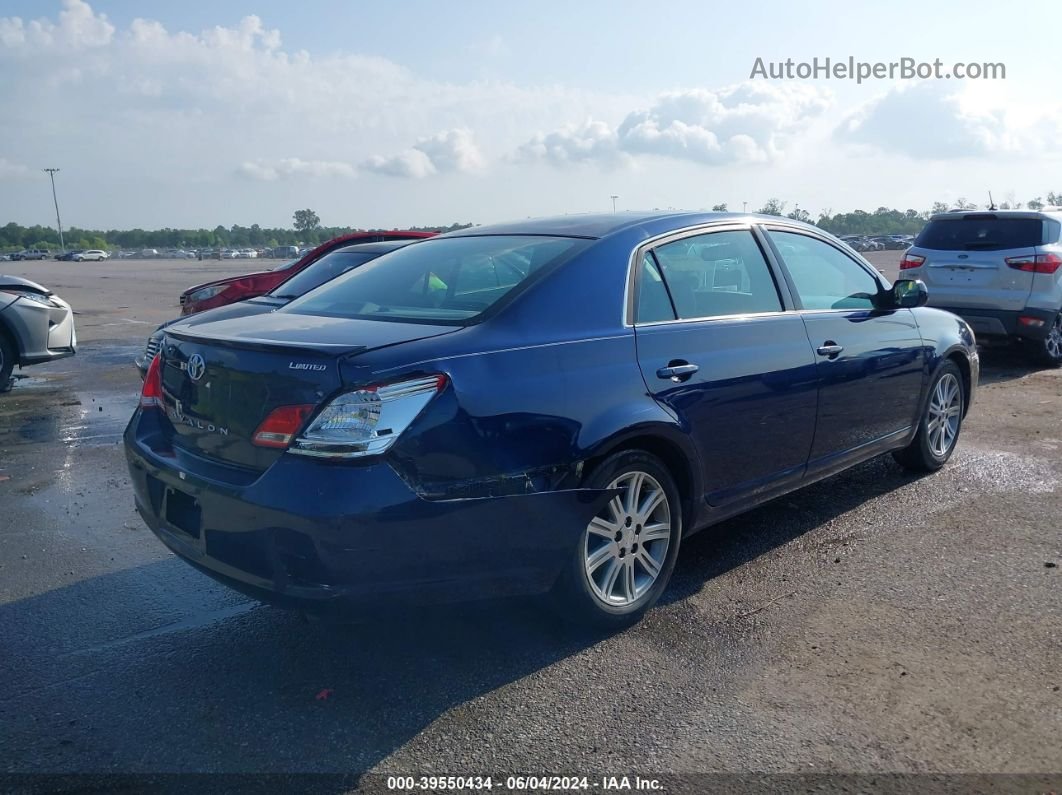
(1049, 349)
(939, 426)
(623, 559)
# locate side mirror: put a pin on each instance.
(910, 294)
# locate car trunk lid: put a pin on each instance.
(221, 380)
(978, 278)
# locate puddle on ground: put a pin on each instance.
(100, 419)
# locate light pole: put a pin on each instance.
(744, 207)
(613, 197)
(51, 173)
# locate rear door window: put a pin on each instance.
(718, 274)
(654, 304)
(982, 232)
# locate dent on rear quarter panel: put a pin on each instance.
(533, 391)
(515, 421)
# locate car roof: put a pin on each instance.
(981, 214)
(381, 247)
(598, 225)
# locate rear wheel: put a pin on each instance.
(1049, 350)
(7, 362)
(623, 559)
(939, 427)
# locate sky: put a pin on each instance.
(198, 113)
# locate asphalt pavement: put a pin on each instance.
(876, 622)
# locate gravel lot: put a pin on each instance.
(873, 623)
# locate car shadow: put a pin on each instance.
(734, 542)
(157, 669)
(1007, 362)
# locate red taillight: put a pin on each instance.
(1035, 263)
(151, 394)
(280, 427)
(911, 261)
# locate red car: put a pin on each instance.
(222, 292)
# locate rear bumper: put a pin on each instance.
(1004, 322)
(315, 534)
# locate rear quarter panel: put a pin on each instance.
(546, 384)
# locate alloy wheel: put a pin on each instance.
(626, 543)
(945, 413)
(1053, 342)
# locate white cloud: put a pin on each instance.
(448, 151)
(290, 167)
(745, 123)
(9, 170)
(412, 163)
(573, 143)
(934, 120)
(78, 27)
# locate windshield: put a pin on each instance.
(981, 233)
(285, 265)
(445, 280)
(323, 270)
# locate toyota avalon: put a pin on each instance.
(548, 406)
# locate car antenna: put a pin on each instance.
(991, 203)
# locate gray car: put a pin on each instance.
(36, 326)
(1001, 271)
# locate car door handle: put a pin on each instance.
(676, 371)
(830, 349)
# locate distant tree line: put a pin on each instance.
(16, 237)
(307, 229)
(886, 221)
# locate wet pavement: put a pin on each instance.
(873, 622)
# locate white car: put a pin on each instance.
(248, 253)
(92, 254)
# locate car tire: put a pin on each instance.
(7, 362)
(1049, 350)
(610, 582)
(940, 424)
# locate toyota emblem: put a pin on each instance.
(196, 367)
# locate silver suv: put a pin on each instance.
(1001, 271)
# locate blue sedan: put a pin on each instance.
(547, 406)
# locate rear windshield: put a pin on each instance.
(323, 270)
(443, 280)
(983, 233)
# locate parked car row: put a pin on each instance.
(864, 243)
(544, 407)
(29, 254)
(279, 252)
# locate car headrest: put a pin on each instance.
(722, 251)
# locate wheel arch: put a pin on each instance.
(961, 360)
(675, 453)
